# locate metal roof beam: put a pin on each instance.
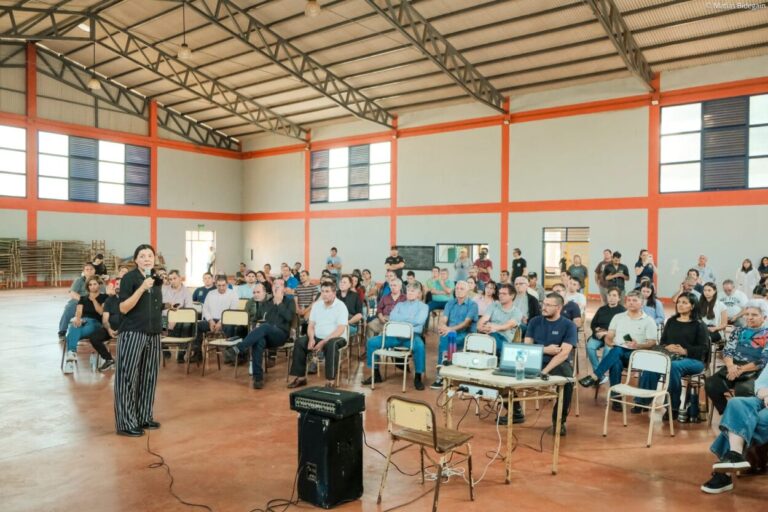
(245, 27)
(426, 38)
(613, 22)
(75, 75)
(51, 23)
(150, 57)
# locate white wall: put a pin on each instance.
(13, 224)
(622, 230)
(171, 241)
(273, 184)
(273, 241)
(582, 93)
(726, 235)
(198, 182)
(715, 73)
(469, 110)
(580, 157)
(449, 168)
(362, 243)
(469, 228)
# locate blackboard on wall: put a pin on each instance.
(417, 257)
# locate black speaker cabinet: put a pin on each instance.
(330, 459)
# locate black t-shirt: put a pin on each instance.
(618, 282)
(89, 310)
(112, 306)
(518, 265)
(101, 269)
(394, 260)
(352, 301)
(146, 316)
(692, 336)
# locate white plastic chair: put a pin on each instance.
(646, 361)
(391, 356)
(477, 342)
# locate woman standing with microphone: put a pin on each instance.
(141, 304)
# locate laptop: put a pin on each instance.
(534, 358)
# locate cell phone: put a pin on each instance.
(627, 337)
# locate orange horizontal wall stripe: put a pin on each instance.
(749, 197)
(715, 91)
(368, 138)
(452, 126)
(186, 214)
(579, 109)
(273, 216)
(279, 150)
(599, 203)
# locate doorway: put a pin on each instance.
(561, 246)
(198, 251)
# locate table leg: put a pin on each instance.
(556, 451)
(508, 461)
(448, 409)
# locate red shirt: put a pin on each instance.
(486, 264)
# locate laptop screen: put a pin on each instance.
(534, 356)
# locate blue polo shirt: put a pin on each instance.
(457, 313)
(414, 312)
(546, 332)
(291, 283)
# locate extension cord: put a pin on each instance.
(479, 392)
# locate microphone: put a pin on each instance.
(147, 273)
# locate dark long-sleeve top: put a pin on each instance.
(352, 301)
(280, 315)
(692, 336)
(603, 316)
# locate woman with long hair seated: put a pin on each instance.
(713, 313)
(686, 340)
(651, 305)
(487, 298)
(87, 319)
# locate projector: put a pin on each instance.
(474, 360)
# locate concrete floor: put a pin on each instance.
(234, 448)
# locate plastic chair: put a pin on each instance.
(391, 356)
(476, 342)
(181, 316)
(646, 361)
(342, 352)
(229, 317)
(241, 303)
(413, 422)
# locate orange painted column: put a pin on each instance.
(31, 142)
(504, 238)
(393, 186)
(654, 197)
(153, 171)
(307, 198)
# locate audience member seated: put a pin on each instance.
(459, 318)
(76, 292)
(616, 273)
(122, 270)
(628, 331)
(215, 304)
(534, 288)
(176, 296)
(262, 278)
(440, 288)
(713, 312)
(268, 272)
(271, 322)
(410, 278)
(601, 322)
(693, 274)
(745, 354)
(201, 293)
(473, 271)
(245, 290)
(414, 312)
(526, 303)
(240, 274)
(571, 309)
(99, 267)
(484, 266)
(87, 319)
(371, 291)
(501, 319)
(385, 288)
(734, 301)
(687, 286)
(291, 283)
(327, 323)
(504, 277)
(486, 299)
(110, 323)
(706, 275)
(384, 308)
(686, 341)
(472, 290)
(351, 299)
(651, 305)
(573, 294)
(305, 294)
(744, 424)
(747, 278)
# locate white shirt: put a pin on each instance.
(706, 275)
(578, 298)
(718, 310)
(216, 303)
(328, 318)
(746, 282)
(734, 302)
(640, 329)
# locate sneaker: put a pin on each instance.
(637, 410)
(719, 483)
(69, 367)
(604, 380)
(109, 363)
(71, 356)
(731, 461)
(377, 379)
(258, 384)
(62, 336)
(438, 384)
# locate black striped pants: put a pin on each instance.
(138, 360)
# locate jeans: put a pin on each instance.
(593, 345)
(613, 362)
(433, 305)
(75, 334)
(67, 315)
(443, 346)
(419, 354)
(263, 336)
(747, 417)
(679, 369)
(718, 385)
(301, 351)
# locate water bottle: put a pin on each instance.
(451, 345)
(93, 360)
(520, 365)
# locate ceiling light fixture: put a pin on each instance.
(93, 83)
(85, 27)
(185, 52)
(312, 9)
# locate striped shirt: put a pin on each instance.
(306, 295)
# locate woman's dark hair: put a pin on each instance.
(141, 248)
(707, 307)
(764, 262)
(640, 255)
(495, 295)
(651, 302)
(746, 269)
(760, 290)
(263, 275)
(92, 278)
(694, 306)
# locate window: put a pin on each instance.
(715, 145)
(447, 253)
(356, 173)
(80, 169)
(13, 161)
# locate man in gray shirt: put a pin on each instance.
(77, 290)
(501, 319)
